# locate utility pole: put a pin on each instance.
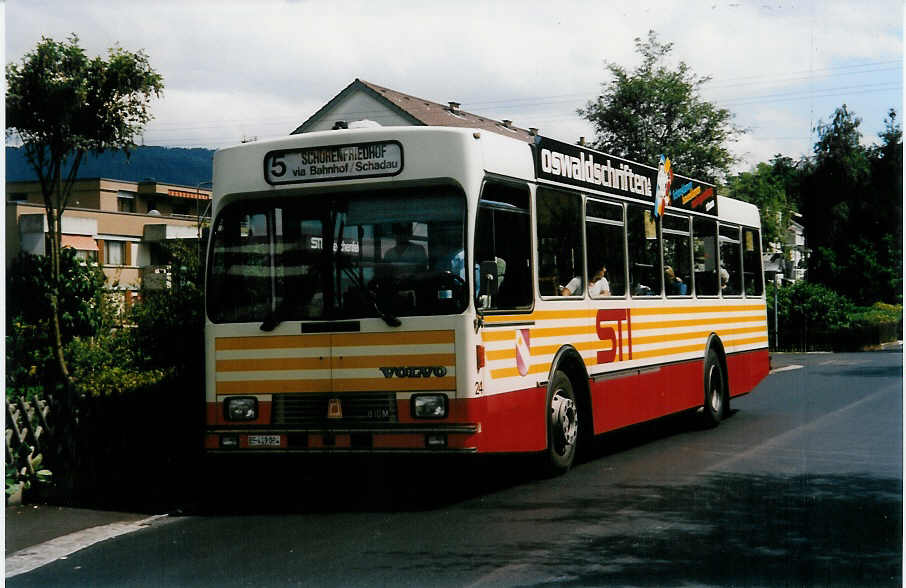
(778, 278)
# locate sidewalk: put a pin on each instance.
(33, 524)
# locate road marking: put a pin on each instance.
(786, 368)
(31, 558)
(779, 440)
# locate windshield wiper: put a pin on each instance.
(370, 296)
(273, 318)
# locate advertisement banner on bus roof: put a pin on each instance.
(585, 168)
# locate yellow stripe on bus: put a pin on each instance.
(406, 338)
(651, 353)
(271, 364)
(391, 384)
(494, 336)
(647, 311)
(335, 340)
(365, 361)
(271, 342)
(636, 326)
(542, 315)
(307, 363)
(344, 385)
(273, 386)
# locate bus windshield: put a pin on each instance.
(336, 256)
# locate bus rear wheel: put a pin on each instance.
(562, 424)
(716, 400)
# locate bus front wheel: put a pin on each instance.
(562, 424)
(716, 400)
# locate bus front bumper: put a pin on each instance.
(404, 438)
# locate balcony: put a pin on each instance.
(156, 277)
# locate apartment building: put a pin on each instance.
(120, 225)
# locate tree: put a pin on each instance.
(763, 189)
(61, 105)
(169, 322)
(84, 312)
(774, 188)
(852, 201)
(658, 110)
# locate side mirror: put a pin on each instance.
(488, 285)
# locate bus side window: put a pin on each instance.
(503, 242)
(560, 251)
(751, 262)
(704, 254)
(605, 248)
(677, 256)
(730, 261)
(642, 234)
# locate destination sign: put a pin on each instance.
(586, 168)
(334, 162)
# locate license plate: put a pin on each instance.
(264, 440)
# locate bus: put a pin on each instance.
(439, 290)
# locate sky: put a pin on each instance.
(240, 70)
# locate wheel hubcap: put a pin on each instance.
(716, 390)
(565, 423)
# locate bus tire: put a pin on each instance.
(562, 424)
(716, 400)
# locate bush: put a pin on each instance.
(814, 317)
(169, 323)
(106, 366)
(879, 313)
(84, 312)
(83, 308)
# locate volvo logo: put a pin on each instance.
(438, 371)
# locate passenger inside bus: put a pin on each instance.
(405, 251)
(673, 285)
(599, 284)
(573, 287)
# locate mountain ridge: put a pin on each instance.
(171, 165)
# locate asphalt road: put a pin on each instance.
(802, 485)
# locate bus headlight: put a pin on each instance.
(429, 406)
(240, 408)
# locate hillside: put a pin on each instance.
(187, 167)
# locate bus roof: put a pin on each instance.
(463, 155)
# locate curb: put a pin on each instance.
(36, 556)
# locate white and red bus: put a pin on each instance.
(438, 290)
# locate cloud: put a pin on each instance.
(262, 68)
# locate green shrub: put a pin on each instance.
(107, 366)
(84, 312)
(169, 323)
(879, 313)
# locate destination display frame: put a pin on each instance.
(324, 163)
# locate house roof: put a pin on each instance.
(421, 111)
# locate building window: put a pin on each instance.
(114, 252)
(87, 256)
(17, 197)
(125, 201)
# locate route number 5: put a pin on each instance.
(278, 166)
